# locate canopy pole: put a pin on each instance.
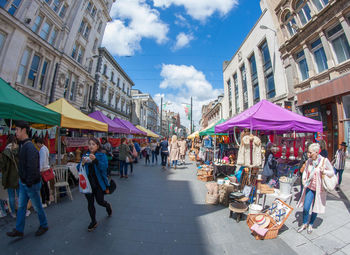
(234, 135)
(214, 147)
(10, 126)
(59, 145)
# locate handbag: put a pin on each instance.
(112, 186)
(329, 183)
(128, 159)
(47, 175)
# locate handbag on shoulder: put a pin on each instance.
(47, 175)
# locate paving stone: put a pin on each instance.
(329, 243)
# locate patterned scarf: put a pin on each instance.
(313, 164)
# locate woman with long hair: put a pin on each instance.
(95, 163)
(174, 151)
(124, 153)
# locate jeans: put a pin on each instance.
(339, 172)
(147, 159)
(123, 166)
(44, 191)
(131, 167)
(154, 156)
(164, 158)
(32, 193)
(12, 198)
(309, 200)
(174, 162)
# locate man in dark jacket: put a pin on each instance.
(29, 184)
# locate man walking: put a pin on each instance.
(29, 183)
(339, 162)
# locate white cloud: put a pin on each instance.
(182, 40)
(133, 20)
(200, 9)
(184, 82)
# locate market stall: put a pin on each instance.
(113, 127)
(282, 125)
(147, 131)
(133, 130)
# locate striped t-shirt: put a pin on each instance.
(340, 157)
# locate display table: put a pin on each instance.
(73, 169)
(224, 169)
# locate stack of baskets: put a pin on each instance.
(205, 173)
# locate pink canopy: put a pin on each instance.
(132, 129)
(113, 127)
(269, 117)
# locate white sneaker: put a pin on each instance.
(28, 213)
(304, 226)
(309, 229)
(44, 205)
(2, 214)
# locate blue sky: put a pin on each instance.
(175, 48)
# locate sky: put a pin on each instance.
(175, 49)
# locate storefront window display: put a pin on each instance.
(346, 104)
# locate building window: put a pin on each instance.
(93, 12)
(123, 87)
(320, 4)
(95, 45)
(82, 26)
(90, 66)
(43, 75)
(128, 92)
(303, 11)
(33, 71)
(339, 43)
(3, 3)
(235, 80)
(56, 5)
(63, 11)
(254, 77)
(103, 91)
(112, 77)
(14, 6)
(118, 82)
(45, 30)
(53, 36)
(319, 55)
(72, 88)
(87, 32)
(74, 50)
(303, 68)
(268, 71)
(99, 27)
(290, 23)
(80, 54)
(37, 24)
(89, 6)
(244, 86)
(104, 70)
(2, 40)
(66, 87)
(23, 66)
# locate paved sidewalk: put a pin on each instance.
(154, 212)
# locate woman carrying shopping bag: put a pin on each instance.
(95, 164)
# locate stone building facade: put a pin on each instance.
(255, 71)
(112, 88)
(315, 52)
(47, 47)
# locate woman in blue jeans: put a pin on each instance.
(314, 195)
(124, 153)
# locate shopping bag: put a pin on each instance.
(48, 175)
(84, 184)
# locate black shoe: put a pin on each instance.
(41, 230)
(92, 226)
(15, 233)
(109, 210)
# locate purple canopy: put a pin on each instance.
(132, 129)
(112, 126)
(267, 116)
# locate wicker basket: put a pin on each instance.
(273, 228)
(204, 172)
(211, 199)
(206, 178)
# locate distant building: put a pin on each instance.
(112, 90)
(47, 47)
(144, 110)
(212, 112)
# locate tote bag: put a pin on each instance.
(84, 184)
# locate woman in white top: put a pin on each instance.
(44, 165)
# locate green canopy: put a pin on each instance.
(211, 129)
(14, 105)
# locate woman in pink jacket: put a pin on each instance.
(314, 195)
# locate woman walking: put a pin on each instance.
(153, 149)
(314, 195)
(8, 166)
(124, 153)
(95, 163)
(174, 151)
(133, 156)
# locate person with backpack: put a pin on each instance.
(270, 165)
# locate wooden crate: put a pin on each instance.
(204, 172)
(206, 178)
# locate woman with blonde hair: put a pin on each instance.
(174, 151)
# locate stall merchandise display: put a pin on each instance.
(205, 173)
(249, 153)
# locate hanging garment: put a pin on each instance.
(248, 149)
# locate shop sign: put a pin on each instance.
(288, 105)
(76, 141)
(312, 112)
